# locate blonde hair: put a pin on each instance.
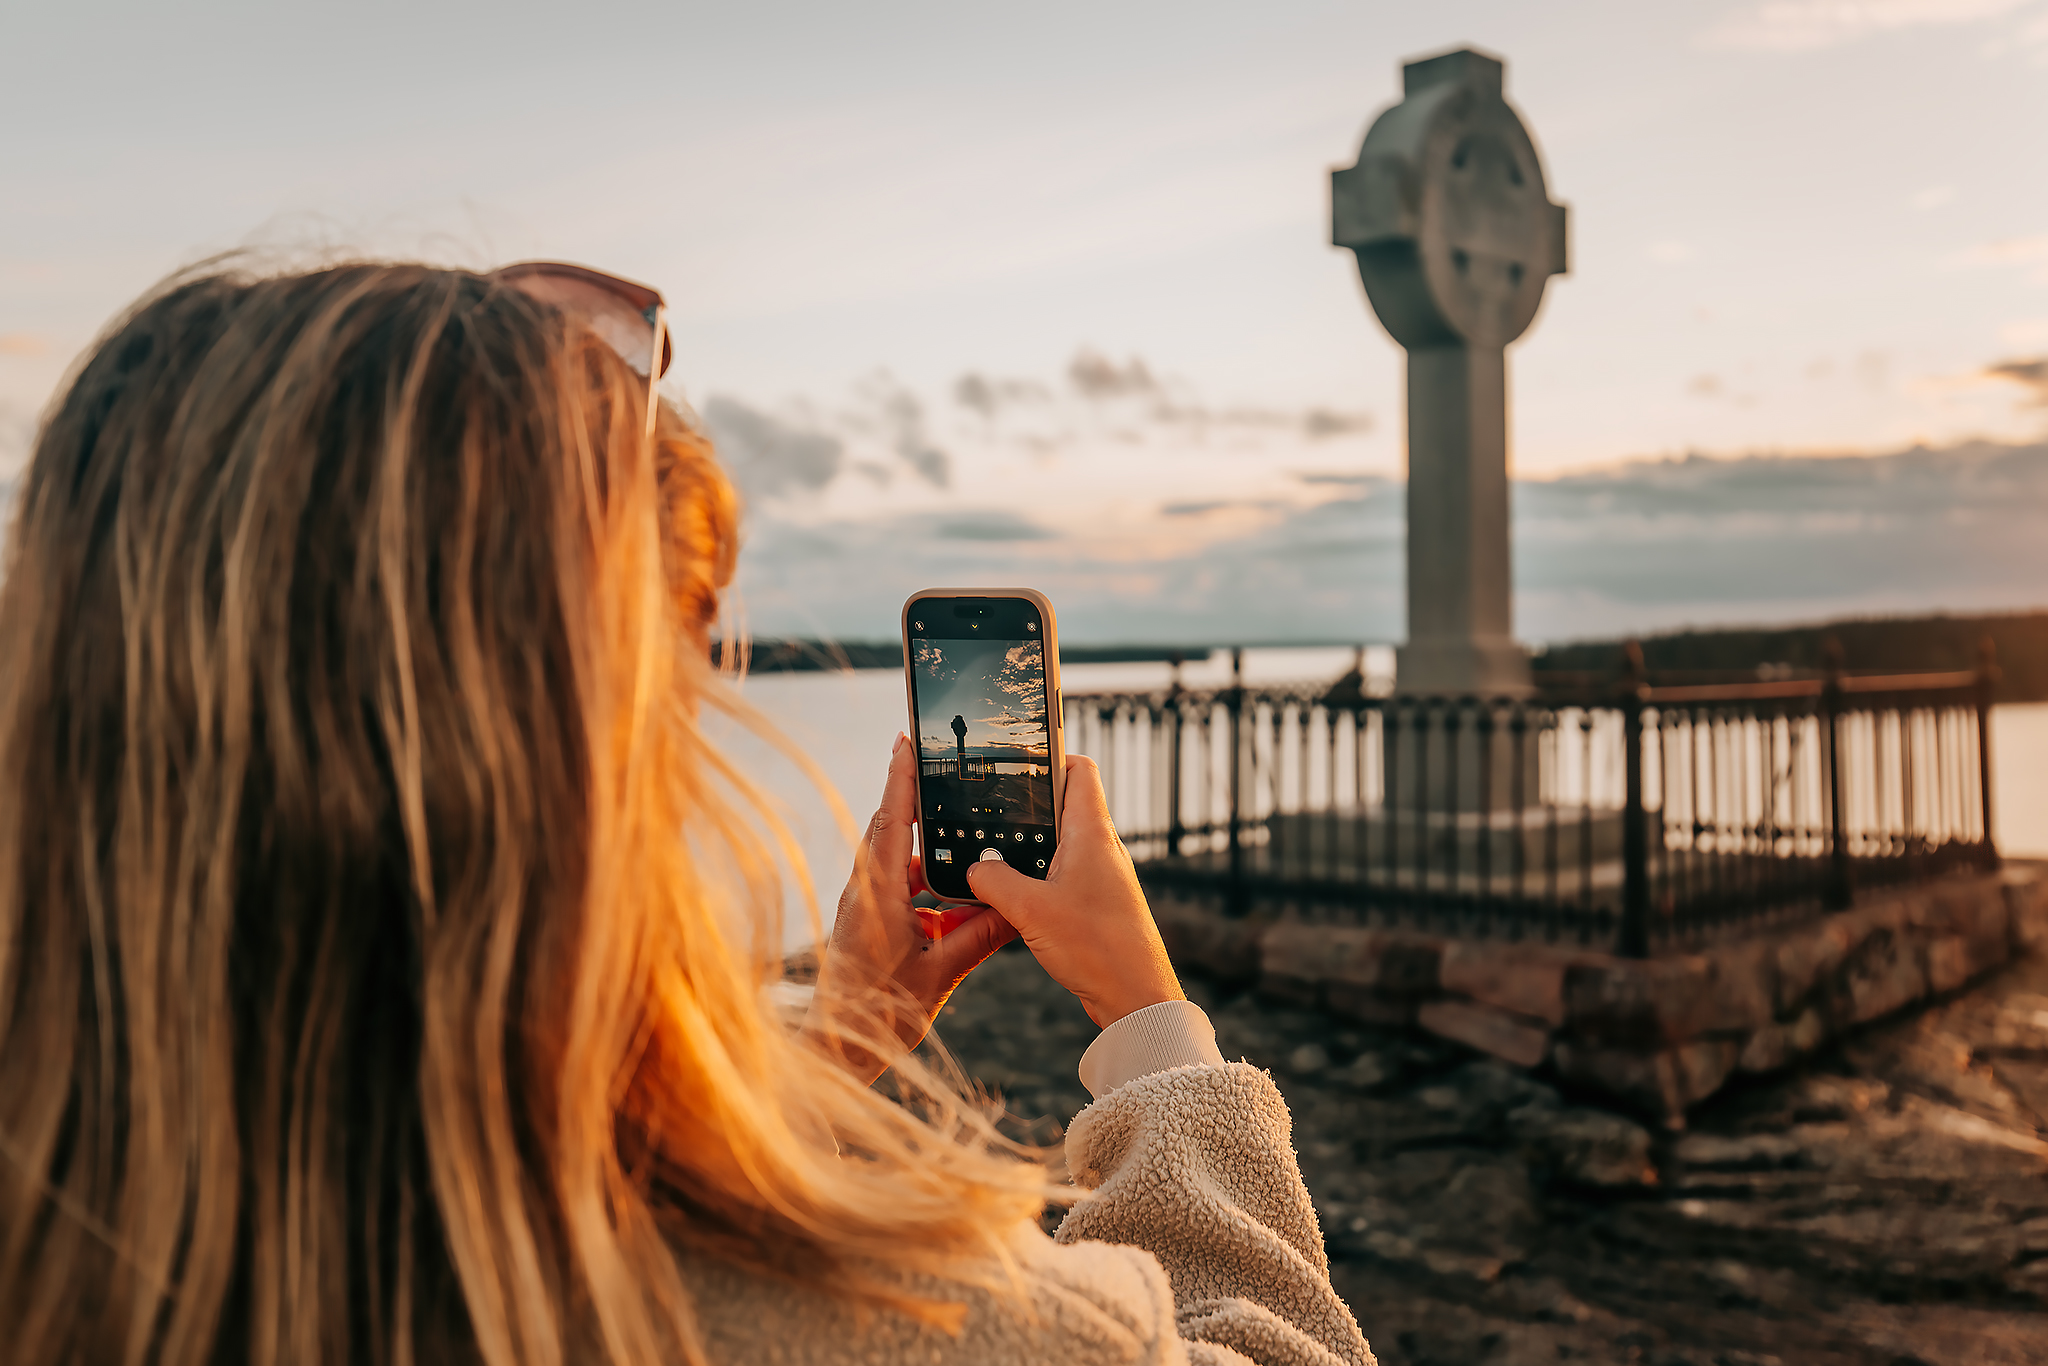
(377, 981)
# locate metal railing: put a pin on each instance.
(967, 768)
(1629, 816)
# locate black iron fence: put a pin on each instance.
(966, 767)
(1627, 815)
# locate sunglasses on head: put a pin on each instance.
(629, 317)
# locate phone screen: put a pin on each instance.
(978, 695)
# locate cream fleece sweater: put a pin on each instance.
(1196, 1242)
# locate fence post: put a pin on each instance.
(1635, 827)
(1175, 831)
(1234, 892)
(1987, 681)
(1839, 893)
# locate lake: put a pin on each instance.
(846, 722)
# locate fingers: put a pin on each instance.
(889, 832)
(1014, 896)
(1085, 800)
(980, 935)
(938, 922)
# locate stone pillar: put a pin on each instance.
(1455, 238)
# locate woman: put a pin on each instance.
(358, 1001)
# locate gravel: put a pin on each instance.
(1882, 1205)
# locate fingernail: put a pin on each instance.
(901, 741)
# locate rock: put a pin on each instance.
(1478, 1266)
(1664, 1083)
(1585, 1147)
(1741, 989)
(1367, 1006)
(1540, 1298)
(1881, 974)
(1804, 959)
(1299, 961)
(1636, 1003)
(1980, 941)
(1948, 963)
(1515, 1038)
(1782, 1042)
(1833, 1100)
(1308, 1060)
(1367, 1072)
(1750, 1152)
(1198, 936)
(2025, 893)
(1474, 1100)
(1525, 979)
(1495, 1089)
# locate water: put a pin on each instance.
(846, 723)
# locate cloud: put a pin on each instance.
(989, 396)
(1670, 253)
(2032, 374)
(1351, 479)
(1096, 376)
(990, 526)
(768, 456)
(1933, 197)
(1204, 506)
(23, 344)
(1317, 423)
(1638, 547)
(898, 418)
(1808, 25)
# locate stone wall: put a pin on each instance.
(1660, 1034)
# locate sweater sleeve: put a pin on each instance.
(1196, 1166)
(1162, 1036)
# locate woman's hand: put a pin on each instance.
(890, 965)
(1087, 922)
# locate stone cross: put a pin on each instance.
(1455, 238)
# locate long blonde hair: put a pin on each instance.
(381, 949)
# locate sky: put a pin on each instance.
(975, 294)
(996, 688)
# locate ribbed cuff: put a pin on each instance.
(1168, 1034)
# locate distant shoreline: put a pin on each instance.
(1871, 644)
(820, 656)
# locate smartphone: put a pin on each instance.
(982, 667)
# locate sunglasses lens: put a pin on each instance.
(622, 327)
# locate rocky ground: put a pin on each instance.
(1884, 1204)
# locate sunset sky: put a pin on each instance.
(997, 688)
(987, 294)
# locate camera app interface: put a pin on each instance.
(983, 736)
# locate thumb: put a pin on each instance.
(1014, 896)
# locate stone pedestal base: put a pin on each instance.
(1481, 667)
(1660, 1034)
